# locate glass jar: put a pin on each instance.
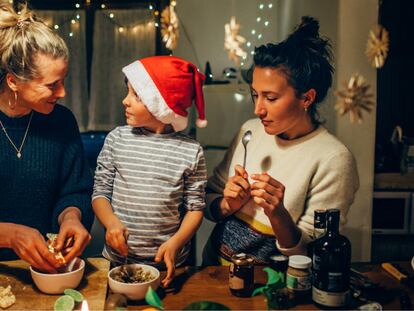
(298, 276)
(241, 275)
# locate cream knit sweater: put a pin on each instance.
(317, 170)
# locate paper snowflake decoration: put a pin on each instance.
(233, 41)
(377, 46)
(169, 27)
(354, 98)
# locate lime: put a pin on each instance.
(64, 303)
(77, 296)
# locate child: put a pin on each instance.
(150, 179)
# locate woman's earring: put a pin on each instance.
(13, 106)
(306, 108)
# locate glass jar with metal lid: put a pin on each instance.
(298, 276)
(241, 275)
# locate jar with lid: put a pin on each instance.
(241, 275)
(298, 276)
(277, 295)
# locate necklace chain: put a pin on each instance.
(18, 150)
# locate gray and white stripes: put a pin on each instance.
(150, 180)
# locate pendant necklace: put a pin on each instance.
(18, 150)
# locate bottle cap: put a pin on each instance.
(300, 262)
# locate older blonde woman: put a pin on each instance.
(45, 183)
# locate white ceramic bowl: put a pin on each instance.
(134, 291)
(57, 283)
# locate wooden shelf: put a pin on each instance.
(394, 181)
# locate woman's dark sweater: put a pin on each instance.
(52, 173)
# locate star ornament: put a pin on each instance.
(354, 98)
(233, 41)
(169, 27)
(377, 46)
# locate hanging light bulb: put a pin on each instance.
(150, 7)
(266, 23)
(261, 6)
(103, 6)
(73, 21)
(270, 5)
(77, 16)
(56, 26)
(258, 19)
(111, 15)
(70, 34)
(77, 5)
(121, 29)
(253, 32)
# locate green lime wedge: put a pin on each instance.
(64, 303)
(77, 296)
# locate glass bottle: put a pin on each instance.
(319, 228)
(331, 265)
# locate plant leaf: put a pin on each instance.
(259, 290)
(273, 276)
(152, 299)
(206, 305)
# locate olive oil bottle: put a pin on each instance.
(331, 256)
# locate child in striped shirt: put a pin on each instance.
(149, 190)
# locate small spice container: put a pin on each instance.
(241, 275)
(298, 276)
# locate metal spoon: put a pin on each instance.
(245, 140)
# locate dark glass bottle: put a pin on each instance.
(331, 266)
(319, 228)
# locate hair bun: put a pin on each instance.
(307, 29)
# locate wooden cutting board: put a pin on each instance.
(17, 274)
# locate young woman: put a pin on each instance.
(294, 165)
(45, 183)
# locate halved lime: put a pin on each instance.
(77, 296)
(64, 303)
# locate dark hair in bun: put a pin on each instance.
(305, 58)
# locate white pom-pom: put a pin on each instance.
(201, 123)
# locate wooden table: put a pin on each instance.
(211, 283)
(191, 284)
(16, 273)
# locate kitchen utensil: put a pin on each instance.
(245, 140)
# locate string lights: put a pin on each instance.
(256, 33)
(74, 20)
(124, 28)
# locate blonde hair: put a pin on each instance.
(22, 37)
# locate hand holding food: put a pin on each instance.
(268, 193)
(30, 246)
(115, 236)
(237, 190)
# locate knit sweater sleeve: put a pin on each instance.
(195, 183)
(105, 169)
(333, 185)
(218, 180)
(75, 177)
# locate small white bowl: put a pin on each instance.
(134, 291)
(56, 283)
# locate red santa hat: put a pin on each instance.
(167, 86)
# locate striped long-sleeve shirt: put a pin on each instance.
(151, 180)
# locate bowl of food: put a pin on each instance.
(56, 283)
(133, 280)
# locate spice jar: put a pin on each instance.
(298, 276)
(241, 275)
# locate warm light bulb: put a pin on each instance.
(259, 36)
(261, 6)
(252, 52)
(242, 64)
(266, 23)
(270, 5)
(77, 5)
(56, 26)
(150, 7)
(156, 13)
(121, 29)
(111, 15)
(85, 306)
(103, 6)
(156, 24)
(249, 44)
(173, 3)
(73, 21)
(253, 32)
(258, 19)
(77, 16)
(70, 34)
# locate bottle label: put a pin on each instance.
(298, 283)
(329, 299)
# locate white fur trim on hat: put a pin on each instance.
(146, 89)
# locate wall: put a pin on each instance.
(355, 20)
(345, 22)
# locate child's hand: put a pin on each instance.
(167, 253)
(115, 236)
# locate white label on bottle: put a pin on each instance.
(298, 283)
(329, 299)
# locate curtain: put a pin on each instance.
(72, 30)
(118, 40)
